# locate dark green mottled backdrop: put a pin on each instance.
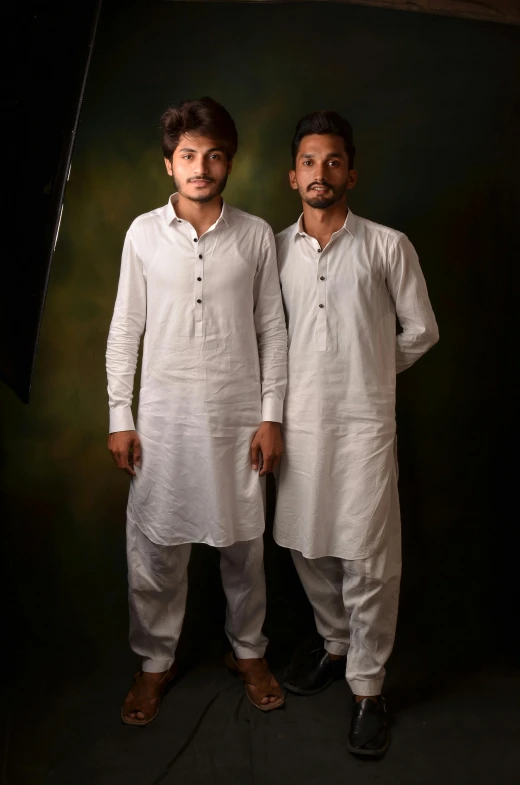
(432, 104)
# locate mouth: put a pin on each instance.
(320, 188)
(200, 181)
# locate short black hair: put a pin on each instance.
(324, 122)
(204, 117)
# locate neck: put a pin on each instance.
(201, 215)
(321, 224)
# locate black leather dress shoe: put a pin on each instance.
(369, 733)
(315, 674)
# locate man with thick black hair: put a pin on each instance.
(344, 280)
(199, 279)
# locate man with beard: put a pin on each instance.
(199, 279)
(344, 280)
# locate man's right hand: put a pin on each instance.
(125, 447)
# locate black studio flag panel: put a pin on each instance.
(48, 47)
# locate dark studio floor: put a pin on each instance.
(453, 723)
(466, 731)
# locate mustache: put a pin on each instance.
(202, 177)
(322, 183)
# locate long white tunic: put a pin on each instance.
(336, 477)
(214, 367)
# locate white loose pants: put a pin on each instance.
(158, 586)
(355, 607)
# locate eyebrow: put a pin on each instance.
(313, 155)
(192, 150)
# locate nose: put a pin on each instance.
(200, 165)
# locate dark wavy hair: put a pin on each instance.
(204, 117)
(324, 123)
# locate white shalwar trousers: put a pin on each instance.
(355, 607)
(158, 586)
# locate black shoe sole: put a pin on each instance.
(369, 753)
(298, 691)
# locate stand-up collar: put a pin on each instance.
(172, 215)
(348, 226)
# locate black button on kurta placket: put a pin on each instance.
(199, 279)
(319, 250)
(200, 256)
(322, 277)
(199, 301)
(321, 305)
(195, 239)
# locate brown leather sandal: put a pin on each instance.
(146, 698)
(259, 682)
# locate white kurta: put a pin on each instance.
(337, 475)
(214, 367)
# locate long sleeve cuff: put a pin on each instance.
(272, 410)
(121, 419)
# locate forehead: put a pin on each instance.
(322, 145)
(198, 143)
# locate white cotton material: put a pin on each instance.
(214, 367)
(355, 605)
(157, 589)
(339, 471)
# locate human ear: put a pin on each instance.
(352, 179)
(292, 180)
(168, 165)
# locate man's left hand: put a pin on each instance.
(268, 441)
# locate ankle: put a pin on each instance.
(359, 698)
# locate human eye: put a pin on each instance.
(307, 163)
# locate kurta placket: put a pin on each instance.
(321, 313)
(199, 250)
(199, 284)
(319, 257)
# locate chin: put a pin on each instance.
(320, 202)
(207, 197)
(200, 195)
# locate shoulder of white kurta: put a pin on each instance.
(146, 220)
(247, 219)
(283, 237)
(384, 232)
(288, 232)
(144, 231)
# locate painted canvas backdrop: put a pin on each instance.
(432, 102)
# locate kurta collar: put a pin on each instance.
(348, 226)
(171, 214)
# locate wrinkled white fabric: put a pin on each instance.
(157, 589)
(338, 473)
(355, 605)
(214, 367)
